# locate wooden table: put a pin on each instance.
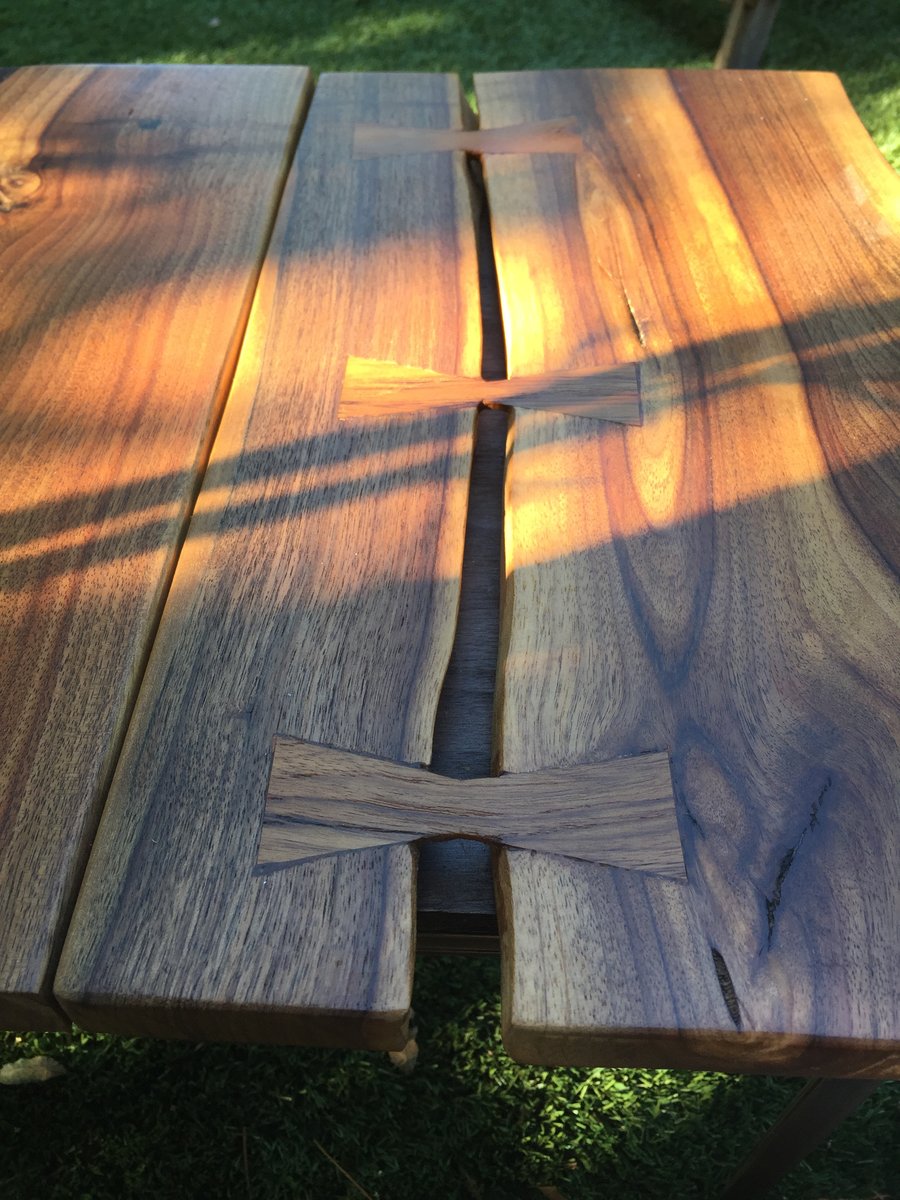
(243, 397)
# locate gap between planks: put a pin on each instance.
(455, 895)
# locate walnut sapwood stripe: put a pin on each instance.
(373, 390)
(322, 801)
(539, 137)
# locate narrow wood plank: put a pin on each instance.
(721, 581)
(322, 801)
(135, 206)
(316, 595)
(375, 390)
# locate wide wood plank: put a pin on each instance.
(135, 206)
(316, 596)
(720, 582)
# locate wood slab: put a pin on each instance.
(321, 801)
(721, 581)
(375, 390)
(316, 595)
(135, 207)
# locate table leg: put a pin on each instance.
(807, 1121)
(405, 1060)
(747, 33)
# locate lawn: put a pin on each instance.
(138, 1118)
(155, 1119)
(856, 38)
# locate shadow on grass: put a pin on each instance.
(464, 36)
(361, 35)
(467, 1123)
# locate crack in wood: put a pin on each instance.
(773, 902)
(726, 985)
(639, 333)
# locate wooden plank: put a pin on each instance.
(322, 801)
(374, 390)
(316, 595)
(135, 205)
(720, 582)
(833, 271)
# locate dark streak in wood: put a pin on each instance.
(774, 900)
(729, 995)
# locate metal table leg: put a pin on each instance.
(808, 1120)
(747, 33)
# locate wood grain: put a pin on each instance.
(721, 580)
(135, 205)
(375, 390)
(316, 595)
(545, 137)
(323, 801)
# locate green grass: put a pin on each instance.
(136, 1118)
(852, 37)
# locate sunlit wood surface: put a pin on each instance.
(135, 204)
(721, 582)
(710, 594)
(316, 596)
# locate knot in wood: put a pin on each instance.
(17, 187)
